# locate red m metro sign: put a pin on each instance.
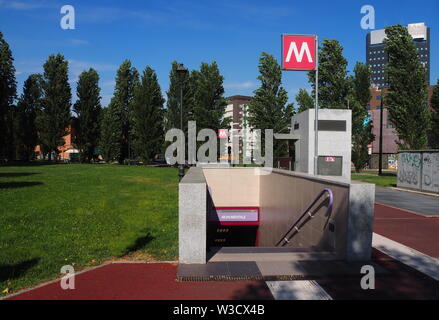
(298, 52)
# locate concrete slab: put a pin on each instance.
(297, 290)
(282, 268)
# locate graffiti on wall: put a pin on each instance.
(430, 172)
(419, 171)
(409, 170)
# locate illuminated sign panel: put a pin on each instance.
(298, 53)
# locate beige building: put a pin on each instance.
(240, 131)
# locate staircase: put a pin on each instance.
(275, 254)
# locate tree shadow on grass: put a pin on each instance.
(15, 271)
(16, 185)
(35, 163)
(140, 243)
(16, 174)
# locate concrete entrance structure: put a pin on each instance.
(282, 197)
(335, 142)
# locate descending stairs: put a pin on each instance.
(260, 254)
(269, 264)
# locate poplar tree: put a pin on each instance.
(269, 108)
(54, 118)
(8, 93)
(109, 141)
(333, 80)
(116, 137)
(304, 101)
(28, 106)
(362, 126)
(406, 98)
(148, 117)
(209, 103)
(88, 108)
(435, 116)
(173, 108)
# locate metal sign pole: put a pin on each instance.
(316, 142)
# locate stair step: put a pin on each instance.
(271, 270)
(260, 254)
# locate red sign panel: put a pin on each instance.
(223, 133)
(330, 159)
(298, 53)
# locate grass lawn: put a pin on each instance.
(388, 180)
(82, 215)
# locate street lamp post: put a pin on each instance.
(380, 158)
(181, 71)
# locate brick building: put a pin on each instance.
(68, 150)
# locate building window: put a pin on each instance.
(378, 98)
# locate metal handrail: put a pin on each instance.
(308, 212)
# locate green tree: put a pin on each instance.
(148, 117)
(28, 106)
(361, 124)
(269, 108)
(333, 80)
(88, 108)
(109, 140)
(209, 104)
(304, 101)
(435, 116)
(173, 112)
(127, 79)
(8, 93)
(54, 118)
(406, 97)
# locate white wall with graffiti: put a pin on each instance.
(419, 170)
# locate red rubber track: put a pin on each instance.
(412, 230)
(134, 281)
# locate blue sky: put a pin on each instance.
(231, 32)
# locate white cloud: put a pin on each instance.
(23, 5)
(239, 85)
(76, 67)
(78, 42)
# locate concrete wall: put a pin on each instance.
(282, 197)
(331, 143)
(419, 170)
(192, 217)
(285, 197)
(235, 187)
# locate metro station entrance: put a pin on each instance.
(233, 227)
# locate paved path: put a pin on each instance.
(423, 204)
(412, 230)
